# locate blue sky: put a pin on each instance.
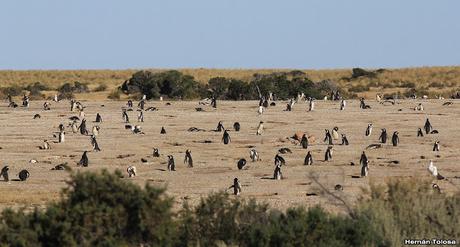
(113, 34)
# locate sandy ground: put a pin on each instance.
(215, 163)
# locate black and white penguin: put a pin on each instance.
(236, 126)
(46, 145)
(436, 146)
(125, 116)
(365, 169)
(241, 163)
(428, 126)
(311, 105)
(395, 138)
(131, 170)
(369, 129)
(254, 155)
(363, 160)
(140, 117)
(94, 143)
(171, 163)
(335, 133)
(163, 131)
(98, 118)
(279, 160)
(344, 140)
(304, 141)
(383, 136)
(419, 132)
(220, 127)
(4, 173)
(156, 152)
(328, 153)
(188, 158)
(61, 137)
(24, 175)
(343, 103)
(84, 161)
(82, 127)
(236, 187)
(308, 159)
(226, 137)
(260, 128)
(213, 102)
(129, 103)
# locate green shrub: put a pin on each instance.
(100, 88)
(14, 90)
(114, 95)
(359, 88)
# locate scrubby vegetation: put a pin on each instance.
(105, 209)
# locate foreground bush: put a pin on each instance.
(105, 209)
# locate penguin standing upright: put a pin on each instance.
(220, 127)
(46, 145)
(156, 152)
(308, 159)
(171, 163)
(365, 169)
(436, 146)
(344, 140)
(140, 117)
(84, 161)
(369, 129)
(188, 158)
(4, 173)
(82, 127)
(260, 129)
(304, 141)
(226, 137)
(95, 130)
(328, 153)
(236, 126)
(311, 105)
(342, 105)
(61, 137)
(94, 143)
(236, 187)
(131, 170)
(363, 160)
(125, 116)
(335, 133)
(163, 130)
(98, 118)
(74, 127)
(383, 136)
(395, 138)
(419, 132)
(428, 126)
(254, 155)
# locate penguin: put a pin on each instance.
(284, 150)
(335, 133)
(46, 145)
(24, 175)
(46, 106)
(311, 105)
(328, 153)
(342, 105)
(260, 110)
(254, 155)
(82, 127)
(72, 105)
(140, 117)
(131, 170)
(129, 103)
(236, 126)
(163, 131)
(226, 137)
(213, 102)
(74, 127)
(277, 174)
(304, 141)
(260, 129)
(428, 126)
(395, 138)
(125, 116)
(94, 143)
(95, 130)
(82, 114)
(383, 136)
(363, 160)
(137, 130)
(328, 137)
(288, 107)
(362, 104)
(419, 132)
(171, 164)
(265, 103)
(434, 171)
(236, 187)
(61, 127)
(188, 158)
(141, 104)
(4, 173)
(220, 127)
(241, 163)
(308, 159)
(84, 161)
(436, 146)
(156, 152)
(61, 137)
(344, 140)
(365, 169)
(98, 118)
(369, 129)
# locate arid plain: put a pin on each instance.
(215, 163)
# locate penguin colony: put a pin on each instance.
(248, 137)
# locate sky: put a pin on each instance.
(297, 34)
